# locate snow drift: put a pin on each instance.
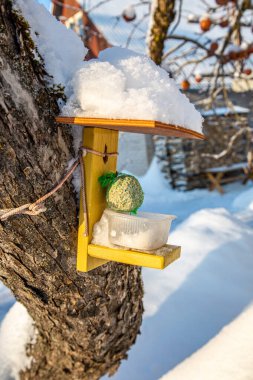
(228, 356)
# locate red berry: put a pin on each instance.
(247, 71)
(214, 46)
(233, 55)
(205, 23)
(221, 2)
(198, 78)
(224, 23)
(129, 14)
(185, 85)
(212, 49)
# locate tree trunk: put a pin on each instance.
(163, 15)
(86, 322)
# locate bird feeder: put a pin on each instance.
(102, 135)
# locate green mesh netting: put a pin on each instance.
(123, 192)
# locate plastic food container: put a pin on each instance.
(144, 231)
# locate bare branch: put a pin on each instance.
(187, 39)
(230, 144)
(179, 17)
(135, 27)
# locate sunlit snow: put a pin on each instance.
(126, 85)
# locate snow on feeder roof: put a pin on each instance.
(121, 84)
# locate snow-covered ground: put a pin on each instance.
(188, 304)
(227, 356)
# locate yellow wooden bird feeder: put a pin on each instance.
(102, 135)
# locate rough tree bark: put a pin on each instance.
(163, 15)
(86, 323)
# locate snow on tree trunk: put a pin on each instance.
(86, 322)
(162, 16)
(17, 334)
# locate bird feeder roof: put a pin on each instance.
(136, 126)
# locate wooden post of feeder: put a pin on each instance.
(101, 140)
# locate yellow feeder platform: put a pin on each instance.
(102, 135)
